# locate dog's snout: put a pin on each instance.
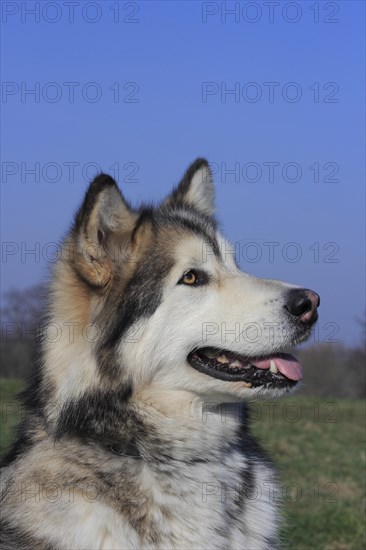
(303, 303)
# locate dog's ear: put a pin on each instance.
(103, 214)
(195, 189)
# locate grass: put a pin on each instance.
(319, 448)
(11, 410)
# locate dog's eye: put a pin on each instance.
(189, 278)
(194, 278)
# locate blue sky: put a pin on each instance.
(146, 89)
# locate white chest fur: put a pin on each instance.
(196, 507)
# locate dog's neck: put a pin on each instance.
(186, 426)
(153, 423)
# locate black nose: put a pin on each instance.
(303, 303)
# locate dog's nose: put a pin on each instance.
(303, 303)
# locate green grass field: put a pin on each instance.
(10, 410)
(319, 447)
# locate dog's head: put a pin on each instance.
(156, 298)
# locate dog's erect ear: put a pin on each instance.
(103, 214)
(196, 189)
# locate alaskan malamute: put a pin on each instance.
(136, 432)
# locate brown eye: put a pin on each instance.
(194, 278)
(189, 278)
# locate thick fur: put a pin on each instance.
(125, 444)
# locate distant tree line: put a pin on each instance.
(21, 320)
(331, 370)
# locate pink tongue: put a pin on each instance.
(286, 365)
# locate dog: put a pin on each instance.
(124, 443)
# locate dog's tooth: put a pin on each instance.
(211, 354)
(236, 363)
(247, 384)
(272, 367)
(222, 358)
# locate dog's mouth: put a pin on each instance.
(280, 370)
